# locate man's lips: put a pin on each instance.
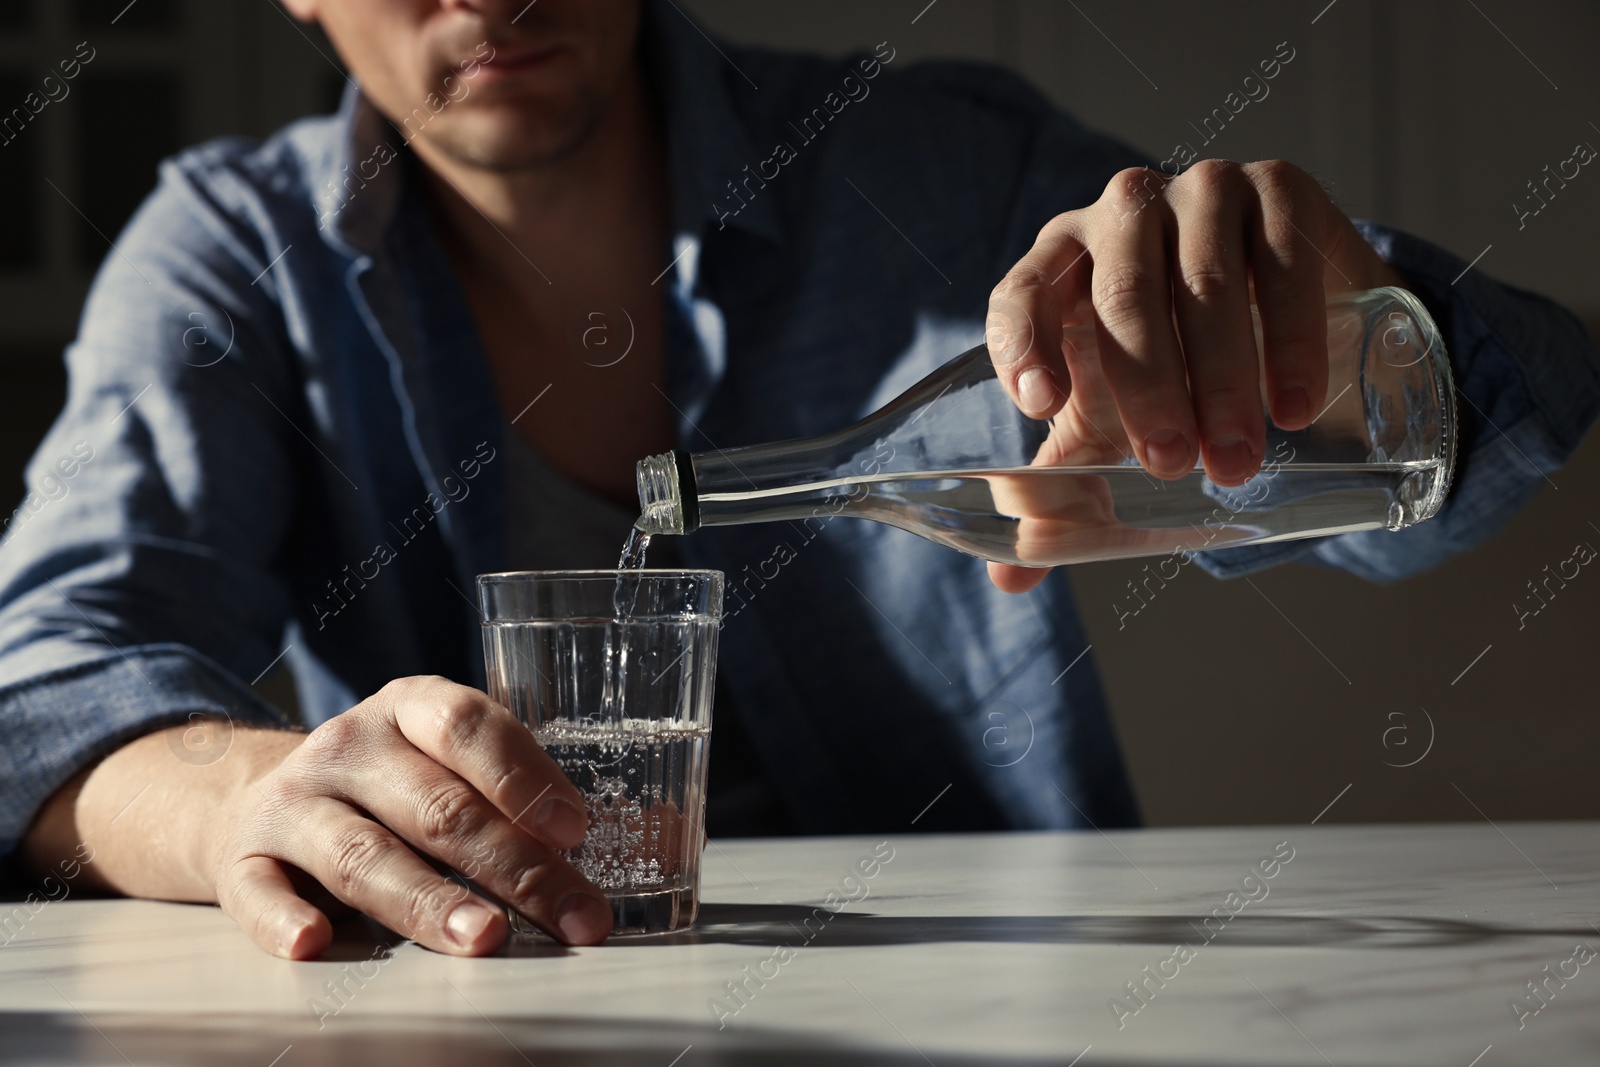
(509, 62)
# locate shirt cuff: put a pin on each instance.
(60, 722)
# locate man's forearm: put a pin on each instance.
(54, 841)
(147, 817)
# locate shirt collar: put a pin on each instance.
(360, 188)
(710, 151)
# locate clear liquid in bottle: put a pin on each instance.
(952, 460)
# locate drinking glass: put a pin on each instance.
(614, 672)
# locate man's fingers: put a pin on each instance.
(464, 730)
(367, 867)
(1211, 296)
(1010, 578)
(1023, 328)
(446, 769)
(256, 892)
(1139, 353)
(1288, 262)
(442, 816)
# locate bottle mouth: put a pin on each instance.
(664, 507)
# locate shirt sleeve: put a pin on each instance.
(1528, 386)
(137, 578)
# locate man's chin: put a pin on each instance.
(490, 142)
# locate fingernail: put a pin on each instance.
(1231, 457)
(1294, 404)
(560, 822)
(583, 919)
(289, 934)
(997, 335)
(1036, 390)
(468, 922)
(1167, 451)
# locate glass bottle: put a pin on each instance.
(953, 460)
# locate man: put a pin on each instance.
(326, 380)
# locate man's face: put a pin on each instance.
(501, 84)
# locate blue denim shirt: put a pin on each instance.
(282, 433)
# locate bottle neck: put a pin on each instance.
(680, 493)
(818, 477)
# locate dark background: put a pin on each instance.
(1238, 702)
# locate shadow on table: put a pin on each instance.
(774, 925)
(198, 1039)
(771, 925)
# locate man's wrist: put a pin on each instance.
(253, 754)
(155, 812)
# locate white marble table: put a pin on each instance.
(1372, 945)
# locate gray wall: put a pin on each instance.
(1421, 114)
(1237, 703)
